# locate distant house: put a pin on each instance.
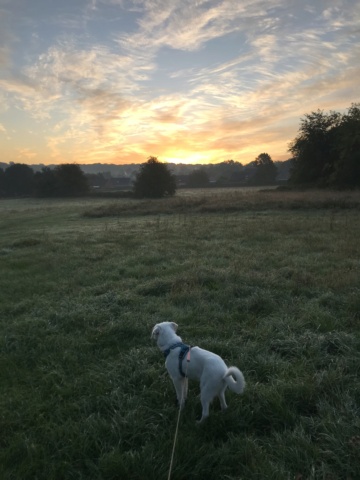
(284, 170)
(118, 183)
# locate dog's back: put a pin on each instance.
(204, 364)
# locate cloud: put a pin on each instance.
(188, 25)
(90, 85)
(236, 74)
(26, 153)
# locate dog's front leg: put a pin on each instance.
(181, 386)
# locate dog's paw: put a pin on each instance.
(180, 405)
(201, 421)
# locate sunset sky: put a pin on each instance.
(191, 81)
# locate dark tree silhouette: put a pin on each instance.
(346, 171)
(18, 180)
(2, 182)
(46, 183)
(265, 170)
(198, 178)
(326, 151)
(70, 180)
(313, 148)
(66, 180)
(154, 180)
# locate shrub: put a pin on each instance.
(154, 180)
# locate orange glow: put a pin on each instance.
(188, 82)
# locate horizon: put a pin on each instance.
(193, 83)
(136, 164)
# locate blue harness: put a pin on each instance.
(183, 351)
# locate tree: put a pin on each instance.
(18, 180)
(224, 171)
(198, 178)
(45, 183)
(327, 149)
(2, 182)
(314, 148)
(154, 180)
(265, 170)
(346, 171)
(65, 180)
(71, 180)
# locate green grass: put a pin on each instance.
(268, 280)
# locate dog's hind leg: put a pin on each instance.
(206, 397)
(221, 397)
(205, 409)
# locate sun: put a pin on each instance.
(187, 158)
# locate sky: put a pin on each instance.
(187, 81)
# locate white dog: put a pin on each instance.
(199, 364)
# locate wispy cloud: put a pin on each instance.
(25, 153)
(205, 79)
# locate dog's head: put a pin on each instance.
(161, 328)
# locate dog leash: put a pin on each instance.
(188, 355)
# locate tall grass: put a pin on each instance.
(275, 291)
(230, 201)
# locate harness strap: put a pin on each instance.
(168, 350)
(184, 349)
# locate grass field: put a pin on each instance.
(268, 280)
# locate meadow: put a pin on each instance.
(268, 280)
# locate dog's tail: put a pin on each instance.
(234, 379)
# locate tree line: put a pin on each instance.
(66, 180)
(154, 179)
(325, 153)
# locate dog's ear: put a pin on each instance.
(174, 326)
(156, 331)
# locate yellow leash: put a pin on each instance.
(178, 418)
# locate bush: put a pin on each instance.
(154, 180)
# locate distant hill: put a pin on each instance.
(216, 171)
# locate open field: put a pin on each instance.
(268, 280)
